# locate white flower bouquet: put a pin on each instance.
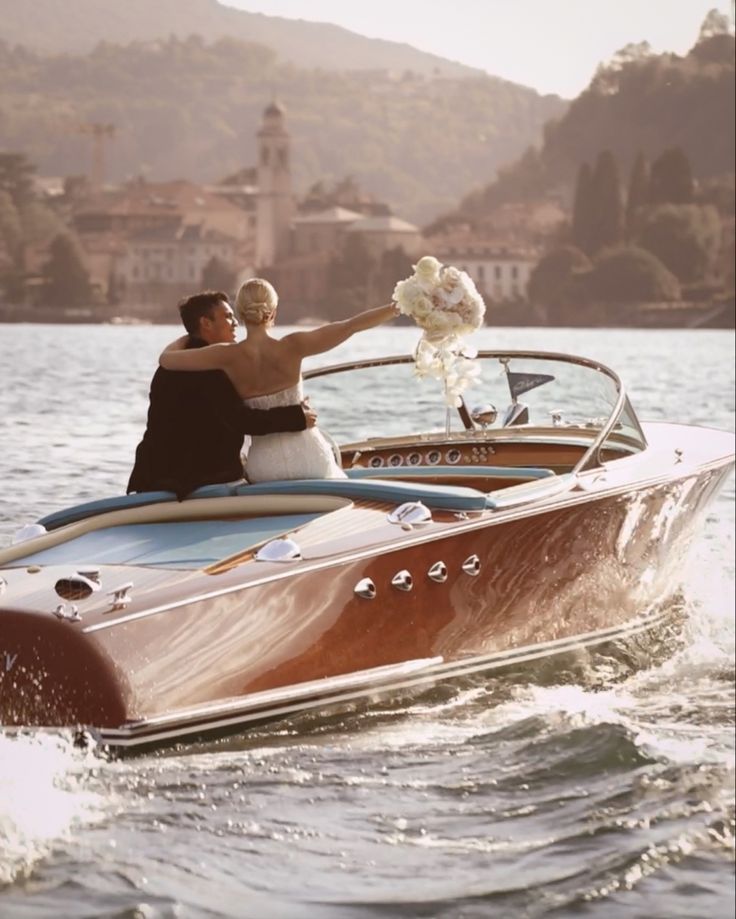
(444, 302)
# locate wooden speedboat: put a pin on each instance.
(494, 538)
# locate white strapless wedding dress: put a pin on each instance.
(296, 455)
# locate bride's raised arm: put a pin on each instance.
(176, 356)
(335, 333)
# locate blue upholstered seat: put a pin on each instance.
(446, 497)
(124, 502)
(361, 483)
(390, 491)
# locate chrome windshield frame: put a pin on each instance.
(591, 458)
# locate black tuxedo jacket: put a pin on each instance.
(195, 428)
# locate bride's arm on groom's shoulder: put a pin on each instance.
(176, 356)
(335, 333)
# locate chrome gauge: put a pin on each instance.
(433, 457)
(396, 459)
(414, 459)
(453, 456)
(376, 461)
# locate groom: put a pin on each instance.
(196, 420)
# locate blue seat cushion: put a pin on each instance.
(445, 497)
(123, 502)
(363, 484)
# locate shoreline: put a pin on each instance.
(712, 322)
(688, 314)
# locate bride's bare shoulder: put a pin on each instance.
(298, 342)
(292, 340)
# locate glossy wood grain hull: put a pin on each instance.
(201, 652)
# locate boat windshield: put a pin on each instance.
(385, 398)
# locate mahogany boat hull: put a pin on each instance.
(208, 652)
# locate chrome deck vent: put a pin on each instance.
(366, 589)
(438, 572)
(410, 514)
(77, 586)
(402, 580)
(471, 565)
(279, 550)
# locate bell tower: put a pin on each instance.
(275, 202)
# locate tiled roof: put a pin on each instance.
(331, 215)
(382, 225)
(158, 198)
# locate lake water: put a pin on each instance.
(607, 791)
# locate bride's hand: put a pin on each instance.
(309, 413)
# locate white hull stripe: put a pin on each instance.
(214, 719)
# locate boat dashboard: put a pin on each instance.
(537, 409)
(550, 449)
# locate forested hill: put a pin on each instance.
(76, 26)
(638, 103)
(183, 108)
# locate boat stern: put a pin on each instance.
(52, 674)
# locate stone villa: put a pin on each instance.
(151, 241)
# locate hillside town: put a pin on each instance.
(142, 245)
(656, 251)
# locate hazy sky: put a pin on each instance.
(553, 46)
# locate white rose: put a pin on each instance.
(402, 291)
(421, 308)
(427, 270)
(435, 322)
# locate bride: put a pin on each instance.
(266, 372)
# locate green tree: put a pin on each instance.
(637, 195)
(40, 223)
(11, 229)
(721, 193)
(115, 288)
(349, 277)
(715, 23)
(582, 216)
(606, 204)
(552, 279)
(16, 178)
(393, 266)
(13, 276)
(685, 237)
(13, 281)
(628, 274)
(671, 180)
(66, 279)
(217, 275)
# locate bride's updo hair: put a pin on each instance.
(256, 302)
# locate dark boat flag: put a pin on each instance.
(520, 383)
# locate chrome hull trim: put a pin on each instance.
(275, 704)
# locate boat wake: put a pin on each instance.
(46, 796)
(599, 775)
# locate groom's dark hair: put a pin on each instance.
(193, 308)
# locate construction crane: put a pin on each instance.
(100, 134)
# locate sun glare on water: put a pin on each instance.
(44, 798)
